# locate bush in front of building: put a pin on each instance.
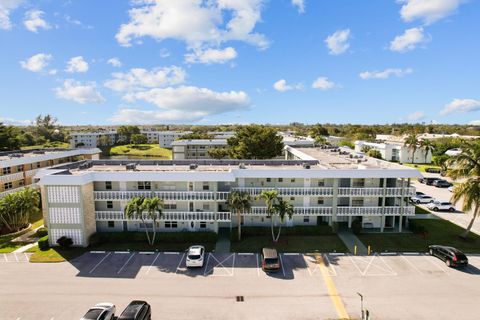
(65, 242)
(41, 232)
(318, 230)
(164, 237)
(43, 243)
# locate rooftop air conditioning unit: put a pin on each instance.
(241, 165)
(15, 155)
(131, 166)
(193, 166)
(38, 152)
(306, 166)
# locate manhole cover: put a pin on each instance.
(240, 299)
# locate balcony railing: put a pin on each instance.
(366, 192)
(168, 215)
(369, 211)
(31, 173)
(312, 211)
(290, 191)
(11, 177)
(165, 195)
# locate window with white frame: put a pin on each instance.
(144, 185)
(306, 219)
(109, 204)
(320, 201)
(8, 186)
(203, 224)
(7, 170)
(108, 185)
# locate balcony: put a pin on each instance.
(165, 195)
(326, 191)
(11, 177)
(167, 215)
(373, 192)
(311, 211)
(375, 211)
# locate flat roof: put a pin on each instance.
(18, 157)
(216, 142)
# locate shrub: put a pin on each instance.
(42, 232)
(43, 243)
(357, 226)
(65, 242)
(165, 237)
(321, 229)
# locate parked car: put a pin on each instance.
(441, 206)
(433, 170)
(422, 199)
(195, 256)
(270, 260)
(440, 183)
(451, 256)
(427, 180)
(136, 310)
(418, 193)
(451, 188)
(101, 311)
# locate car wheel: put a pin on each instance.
(431, 252)
(451, 209)
(449, 263)
(418, 201)
(435, 209)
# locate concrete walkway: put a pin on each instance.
(223, 242)
(30, 238)
(350, 240)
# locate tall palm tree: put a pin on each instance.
(282, 208)
(239, 201)
(412, 143)
(270, 197)
(154, 210)
(427, 147)
(15, 208)
(134, 209)
(467, 165)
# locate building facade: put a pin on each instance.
(322, 185)
(196, 148)
(397, 152)
(17, 168)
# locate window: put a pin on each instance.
(269, 179)
(170, 206)
(320, 201)
(306, 219)
(206, 186)
(203, 224)
(321, 183)
(292, 180)
(280, 179)
(111, 224)
(109, 204)
(144, 185)
(292, 198)
(206, 206)
(7, 185)
(21, 183)
(108, 185)
(7, 170)
(38, 165)
(190, 206)
(171, 224)
(20, 168)
(357, 202)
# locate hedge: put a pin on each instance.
(43, 243)
(161, 237)
(317, 230)
(42, 232)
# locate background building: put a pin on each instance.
(196, 149)
(396, 152)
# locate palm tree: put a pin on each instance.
(239, 201)
(271, 198)
(154, 210)
(134, 209)
(282, 208)
(15, 208)
(427, 147)
(467, 165)
(412, 143)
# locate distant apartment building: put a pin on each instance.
(17, 168)
(323, 185)
(166, 138)
(196, 148)
(422, 136)
(397, 152)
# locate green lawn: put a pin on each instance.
(302, 244)
(439, 232)
(421, 167)
(5, 243)
(141, 150)
(420, 210)
(55, 254)
(64, 145)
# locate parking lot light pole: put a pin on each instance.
(361, 304)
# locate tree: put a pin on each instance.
(347, 143)
(412, 143)
(218, 153)
(104, 141)
(374, 153)
(467, 165)
(427, 147)
(270, 197)
(441, 161)
(154, 209)
(239, 201)
(318, 131)
(195, 136)
(126, 132)
(135, 209)
(46, 127)
(255, 142)
(281, 209)
(16, 208)
(138, 138)
(366, 148)
(8, 138)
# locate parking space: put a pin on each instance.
(14, 257)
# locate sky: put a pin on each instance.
(205, 62)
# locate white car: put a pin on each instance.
(441, 206)
(422, 199)
(195, 256)
(451, 188)
(101, 311)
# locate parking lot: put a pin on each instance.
(234, 286)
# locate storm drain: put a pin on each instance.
(240, 298)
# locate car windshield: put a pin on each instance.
(271, 261)
(194, 256)
(92, 314)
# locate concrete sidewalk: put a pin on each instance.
(350, 240)
(223, 242)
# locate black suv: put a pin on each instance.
(137, 310)
(452, 257)
(440, 183)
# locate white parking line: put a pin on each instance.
(93, 269)
(27, 259)
(337, 254)
(291, 254)
(5, 256)
(126, 262)
(153, 262)
(258, 265)
(428, 258)
(171, 252)
(15, 255)
(245, 254)
(180, 262)
(97, 251)
(358, 269)
(411, 264)
(146, 252)
(281, 265)
(122, 252)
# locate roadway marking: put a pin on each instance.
(122, 252)
(126, 262)
(171, 252)
(150, 266)
(93, 269)
(15, 255)
(411, 264)
(281, 264)
(180, 262)
(332, 290)
(27, 259)
(433, 263)
(5, 256)
(245, 254)
(258, 265)
(220, 263)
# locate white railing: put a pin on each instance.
(165, 195)
(372, 211)
(31, 173)
(312, 211)
(168, 215)
(255, 191)
(365, 192)
(11, 177)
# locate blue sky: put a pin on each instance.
(240, 61)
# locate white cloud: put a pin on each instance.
(385, 74)
(428, 11)
(33, 21)
(138, 78)
(79, 92)
(300, 4)
(282, 86)
(198, 23)
(6, 7)
(408, 40)
(184, 103)
(415, 116)
(475, 123)
(114, 62)
(164, 53)
(77, 64)
(15, 122)
(76, 22)
(210, 56)
(37, 62)
(461, 105)
(323, 83)
(337, 42)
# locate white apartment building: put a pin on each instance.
(196, 148)
(396, 152)
(17, 168)
(323, 186)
